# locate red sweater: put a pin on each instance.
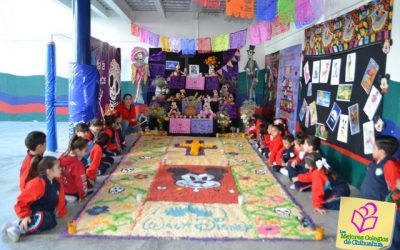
(127, 114)
(391, 171)
(299, 159)
(23, 174)
(319, 181)
(306, 177)
(95, 160)
(267, 140)
(113, 143)
(275, 146)
(35, 190)
(73, 176)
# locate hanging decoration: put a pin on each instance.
(135, 29)
(240, 8)
(139, 72)
(279, 28)
(188, 46)
(144, 35)
(368, 24)
(164, 41)
(220, 43)
(237, 39)
(266, 10)
(204, 45)
(154, 39)
(286, 10)
(304, 13)
(259, 33)
(175, 44)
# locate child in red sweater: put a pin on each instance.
(275, 145)
(35, 141)
(40, 202)
(327, 187)
(113, 147)
(73, 170)
(98, 164)
(286, 155)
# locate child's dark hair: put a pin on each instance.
(311, 159)
(263, 128)
(387, 143)
(127, 94)
(40, 164)
(81, 127)
(279, 127)
(35, 138)
(313, 141)
(300, 138)
(77, 142)
(289, 138)
(96, 123)
(109, 120)
(102, 138)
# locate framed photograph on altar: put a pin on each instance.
(194, 70)
(171, 65)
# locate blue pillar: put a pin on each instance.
(81, 38)
(50, 97)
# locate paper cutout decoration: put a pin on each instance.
(369, 76)
(343, 128)
(195, 82)
(350, 67)
(369, 137)
(344, 92)
(179, 126)
(266, 10)
(325, 70)
(260, 32)
(354, 119)
(279, 27)
(321, 131)
(135, 29)
(164, 41)
(305, 13)
(202, 126)
(204, 45)
(313, 113)
(335, 75)
(286, 10)
(315, 74)
(188, 46)
(306, 73)
(220, 43)
(144, 35)
(175, 44)
(333, 117)
(154, 39)
(237, 39)
(240, 8)
(323, 98)
(303, 110)
(372, 104)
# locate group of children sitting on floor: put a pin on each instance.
(47, 183)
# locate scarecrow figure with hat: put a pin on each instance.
(251, 69)
(139, 72)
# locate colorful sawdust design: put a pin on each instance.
(143, 198)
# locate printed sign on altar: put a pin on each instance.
(195, 82)
(202, 126)
(365, 224)
(179, 126)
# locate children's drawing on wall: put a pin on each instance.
(343, 128)
(321, 131)
(333, 117)
(325, 70)
(350, 67)
(309, 90)
(303, 110)
(315, 75)
(307, 122)
(344, 92)
(306, 73)
(369, 137)
(335, 76)
(323, 98)
(372, 103)
(354, 119)
(369, 75)
(313, 113)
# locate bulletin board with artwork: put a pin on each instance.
(341, 98)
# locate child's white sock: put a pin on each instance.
(70, 198)
(284, 172)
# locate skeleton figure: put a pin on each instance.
(114, 81)
(139, 72)
(251, 69)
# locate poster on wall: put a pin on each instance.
(343, 128)
(288, 85)
(323, 98)
(350, 67)
(369, 137)
(335, 76)
(306, 73)
(271, 81)
(344, 92)
(354, 119)
(369, 75)
(334, 116)
(325, 70)
(315, 70)
(372, 104)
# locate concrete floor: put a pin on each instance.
(12, 153)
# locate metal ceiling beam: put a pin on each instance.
(121, 8)
(196, 9)
(98, 8)
(160, 7)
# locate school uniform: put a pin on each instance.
(274, 147)
(127, 124)
(97, 162)
(114, 141)
(380, 179)
(284, 156)
(73, 176)
(42, 200)
(326, 191)
(303, 183)
(90, 139)
(24, 172)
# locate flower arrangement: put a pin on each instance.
(247, 111)
(159, 113)
(212, 60)
(223, 120)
